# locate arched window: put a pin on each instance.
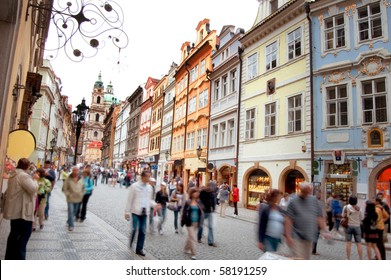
(375, 138)
(98, 100)
(96, 134)
(97, 117)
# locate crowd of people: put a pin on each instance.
(296, 219)
(191, 209)
(300, 219)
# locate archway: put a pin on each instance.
(287, 182)
(223, 175)
(258, 182)
(379, 178)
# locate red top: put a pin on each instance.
(235, 195)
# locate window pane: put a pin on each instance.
(342, 92)
(380, 85)
(368, 103)
(376, 28)
(367, 87)
(332, 108)
(363, 13)
(331, 93)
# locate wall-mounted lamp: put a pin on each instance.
(199, 153)
(303, 147)
(167, 154)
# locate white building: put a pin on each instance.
(224, 106)
(120, 136)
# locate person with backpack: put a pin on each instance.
(336, 206)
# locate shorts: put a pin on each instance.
(353, 231)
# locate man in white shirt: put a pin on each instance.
(139, 202)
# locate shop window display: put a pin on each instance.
(339, 180)
(258, 186)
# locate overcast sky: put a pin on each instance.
(156, 29)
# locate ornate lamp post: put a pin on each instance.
(53, 143)
(79, 117)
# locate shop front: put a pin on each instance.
(339, 180)
(226, 174)
(259, 184)
(293, 180)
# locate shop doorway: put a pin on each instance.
(383, 184)
(292, 181)
(224, 175)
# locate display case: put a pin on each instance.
(258, 186)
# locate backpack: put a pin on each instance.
(336, 206)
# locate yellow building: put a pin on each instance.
(275, 102)
(19, 61)
(191, 112)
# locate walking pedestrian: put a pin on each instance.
(51, 176)
(137, 208)
(224, 200)
(161, 199)
(386, 207)
(19, 205)
(89, 187)
(152, 182)
(177, 197)
(336, 206)
(284, 202)
(74, 189)
(382, 216)
(271, 223)
(235, 199)
(329, 210)
(44, 187)
(114, 178)
(370, 230)
(191, 217)
(172, 186)
(353, 212)
(207, 198)
(303, 220)
(323, 207)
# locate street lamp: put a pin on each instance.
(199, 153)
(79, 117)
(53, 143)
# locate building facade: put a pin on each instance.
(352, 84)
(120, 136)
(156, 126)
(274, 146)
(165, 166)
(46, 121)
(191, 116)
(222, 148)
(20, 59)
(131, 153)
(145, 126)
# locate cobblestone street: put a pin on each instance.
(105, 234)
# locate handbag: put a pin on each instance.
(172, 206)
(345, 219)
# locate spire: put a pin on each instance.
(99, 83)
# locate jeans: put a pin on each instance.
(162, 213)
(73, 208)
(208, 216)
(176, 214)
(139, 222)
(271, 243)
(81, 214)
(236, 208)
(330, 220)
(17, 239)
(380, 244)
(47, 206)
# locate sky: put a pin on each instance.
(156, 30)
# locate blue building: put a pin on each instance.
(352, 98)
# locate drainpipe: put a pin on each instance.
(47, 133)
(307, 11)
(187, 107)
(240, 52)
(172, 132)
(210, 109)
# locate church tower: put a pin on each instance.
(94, 126)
